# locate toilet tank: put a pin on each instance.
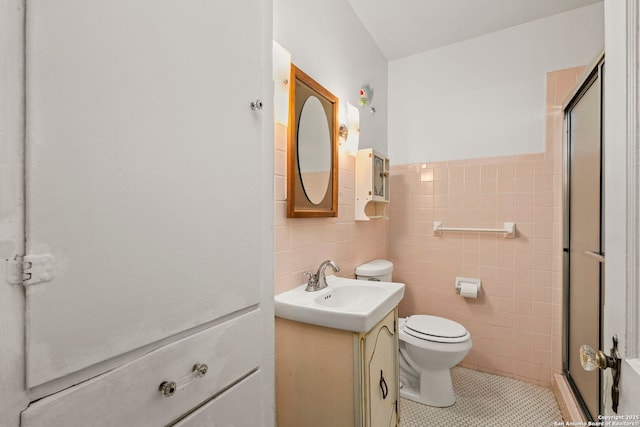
(378, 270)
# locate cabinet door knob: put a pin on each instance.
(257, 105)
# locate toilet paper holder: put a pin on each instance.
(461, 280)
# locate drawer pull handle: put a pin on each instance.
(200, 369)
(383, 386)
(169, 388)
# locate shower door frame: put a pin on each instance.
(592, 73)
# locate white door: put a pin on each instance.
(622, 228)
(144, 173)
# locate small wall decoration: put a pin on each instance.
(366, 95)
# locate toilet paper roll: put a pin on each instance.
(469, 290)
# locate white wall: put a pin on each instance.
(327, 41)
(485, 97)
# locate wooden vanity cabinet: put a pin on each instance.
(330, 377)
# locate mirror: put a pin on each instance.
(378, 176)
(312, 155)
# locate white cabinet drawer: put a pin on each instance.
(130, 395)
(235, 407)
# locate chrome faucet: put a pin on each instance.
(319, 281)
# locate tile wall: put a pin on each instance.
(303, 243)
(516, 322)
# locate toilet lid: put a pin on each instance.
(377, 267)
(433, 328)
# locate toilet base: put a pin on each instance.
(436, 389)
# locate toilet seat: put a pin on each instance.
(436, 329)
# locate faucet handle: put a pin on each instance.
(312, 280)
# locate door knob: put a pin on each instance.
(591, 359)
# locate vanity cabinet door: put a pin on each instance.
(330, 377)
(138, 119)
(380, 354)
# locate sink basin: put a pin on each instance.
(348, 304)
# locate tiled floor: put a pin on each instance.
(486, 400)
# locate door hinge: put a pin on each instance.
(396, 406)
(14, 270)
(37, 269)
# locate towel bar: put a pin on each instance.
(509, 229)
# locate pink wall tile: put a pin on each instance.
(303, 243)
(516, 322)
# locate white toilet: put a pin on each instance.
(429, 347)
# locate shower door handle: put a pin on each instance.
(595, 255)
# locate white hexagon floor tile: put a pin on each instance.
(486, 400)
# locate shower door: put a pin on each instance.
(583, 242)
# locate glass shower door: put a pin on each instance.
(583, 243)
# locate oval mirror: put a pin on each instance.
(314, 150)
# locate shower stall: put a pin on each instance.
(583, 239)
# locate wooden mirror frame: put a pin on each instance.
(298, 204)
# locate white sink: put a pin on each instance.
(349, 304)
